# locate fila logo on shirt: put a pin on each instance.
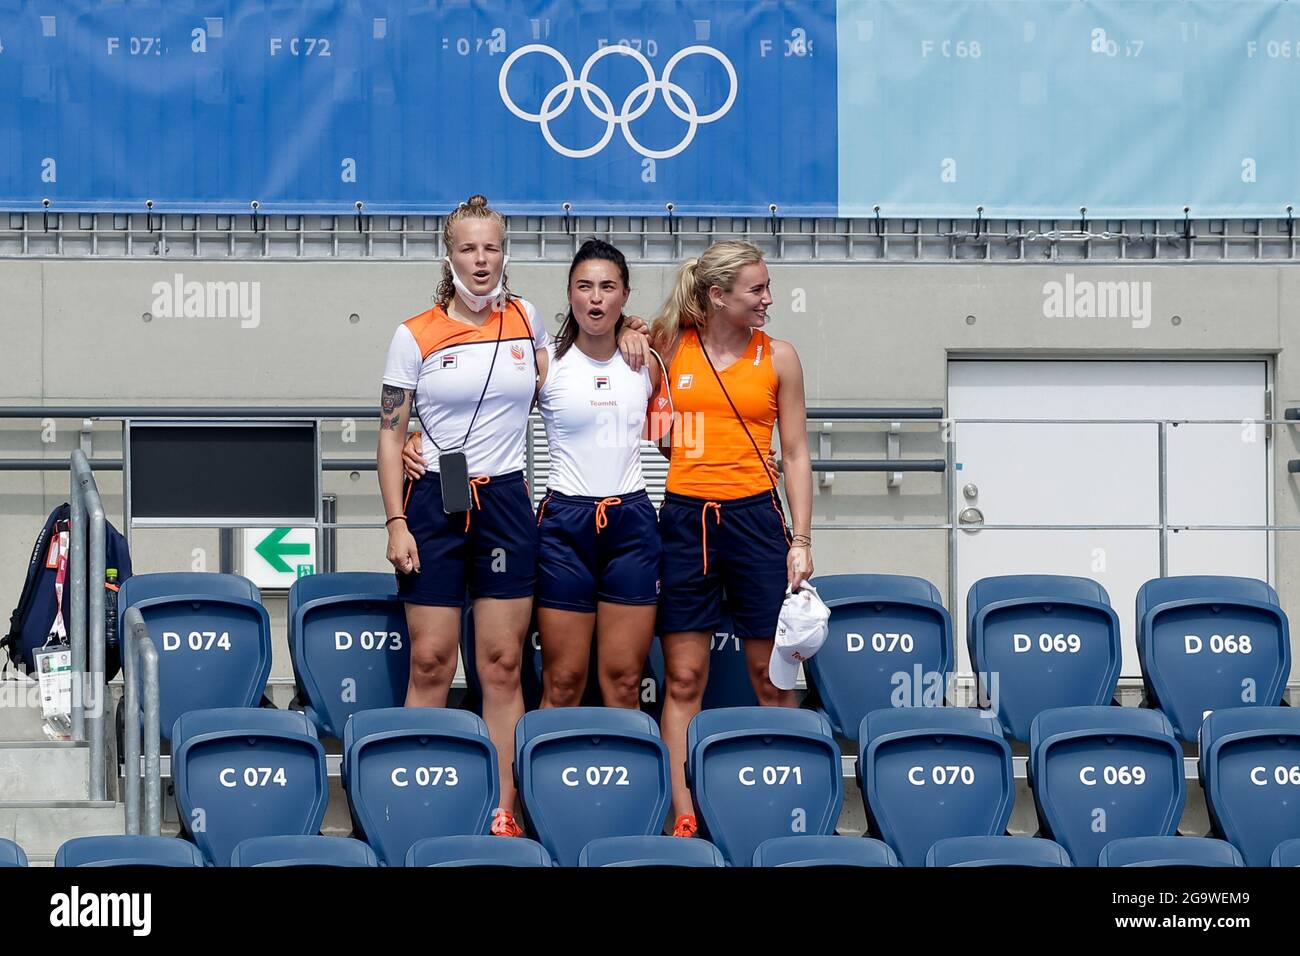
(685, 381)
(449, 361)
(602, 383)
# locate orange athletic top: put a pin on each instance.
(712, 458)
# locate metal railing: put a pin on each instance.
(126, 413)
(138, 652)
(665, 238)
(86, 601)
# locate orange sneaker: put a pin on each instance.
(685, 826)
(503, 824)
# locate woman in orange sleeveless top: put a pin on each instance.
(725, 542)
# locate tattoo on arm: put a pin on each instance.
(392, 401)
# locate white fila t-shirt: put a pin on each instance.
(446, 363)
(594, 412)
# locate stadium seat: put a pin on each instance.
(996, 851)
(246, 772)
(477, 851)
(588, 772)
(728, 684)
(762, 772)
(302, 851)
(1209, 643)
(416, 772)
(1102, 773)
(932, 772)
(890, 645)
(649, 851)
(1287, 853)
(349, 646)
(128, 851)
(824, 851)
(1250, 769)
(1169, 851)
(213, 637)
(1042, 640)
(11, 854)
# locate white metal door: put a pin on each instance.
(1053, 467)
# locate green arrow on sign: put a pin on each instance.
(273, 549)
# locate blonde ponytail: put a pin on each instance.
(688, 304)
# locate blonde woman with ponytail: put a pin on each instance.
(725, 540)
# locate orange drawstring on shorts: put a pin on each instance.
(602, 519)
(704, 529)
(474, 484)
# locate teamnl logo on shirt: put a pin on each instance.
(179, 299)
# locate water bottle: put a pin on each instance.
(110, 607)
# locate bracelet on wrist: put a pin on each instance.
(394, 518)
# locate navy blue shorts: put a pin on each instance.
(728, 554)
(588, 553)
(495, 558)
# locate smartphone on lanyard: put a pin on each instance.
(453, 472)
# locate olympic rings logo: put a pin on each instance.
(638, 101)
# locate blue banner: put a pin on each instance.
(409, 106)
(922, 108)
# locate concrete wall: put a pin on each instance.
(83, 332)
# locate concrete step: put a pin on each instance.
(41, 827)
(20, 711)
(49, 770)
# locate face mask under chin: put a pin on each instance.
(476, 302)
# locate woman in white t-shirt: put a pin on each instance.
(598, 548)
(466, 371)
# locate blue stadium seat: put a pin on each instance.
(302, 851)
(246, 772)
(588, 772)
(416, 772)
(128, 851)
(213, 637)
(762, 772)
(649, 851)
(1169, 851)
(932, 772)
(349, 646)
(996, 851)
(890, 645)
(477, 851)
(824, 851)
(1250, 769)
(1102, 773)
(1287, 853)
(728, 684)
(1047, 640)
(11, 854)
(1209, 643)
